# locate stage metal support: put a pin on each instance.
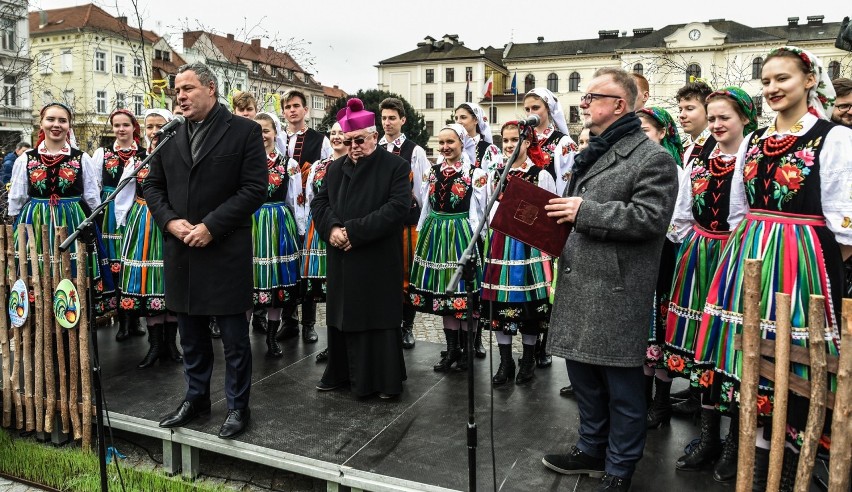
(171, 457)
(190, 464)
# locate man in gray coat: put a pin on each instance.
(620, 201)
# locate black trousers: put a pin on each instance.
(371, 361)
(198, 357)
(612, 406)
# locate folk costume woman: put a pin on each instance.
(700, 225)
(471, 116)
(552, 133)
(516, 277)
(141, 280)
(124, 153)
(55, 184)
(276, 237)
(313, 264)
(454, 199)
(659, 126)
(792, 182)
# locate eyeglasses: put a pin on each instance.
(843, 107)
(359, 140)
(590, 96)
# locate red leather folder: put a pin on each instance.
(521, 215)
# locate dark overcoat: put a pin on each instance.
(370, 199)
(222, 189)
(608, 268)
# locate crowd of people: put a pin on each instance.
(648, 287)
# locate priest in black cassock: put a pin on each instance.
(359, 212)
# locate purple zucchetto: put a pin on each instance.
(354, 117)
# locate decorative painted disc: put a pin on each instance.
(19, 304)
(66, 304)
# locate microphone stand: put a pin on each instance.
(467, 271)
(87, 232)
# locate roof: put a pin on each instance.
(168, 67)
(334, 92)
(561, 48)
(236, 51)
(443, 50)
(805, 32)
(88, 16)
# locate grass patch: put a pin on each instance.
(74, 470)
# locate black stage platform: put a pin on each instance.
(414, 443)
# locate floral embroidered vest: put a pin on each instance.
(711, 189)
(62, 179)
(450, 190)
(113, 166)
(276, 190)
(531, 175)
(785, 178)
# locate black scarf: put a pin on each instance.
(599, 145)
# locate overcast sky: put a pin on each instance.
(347, 39)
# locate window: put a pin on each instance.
(468, 95)
(158, 54)
(638, 68)
(255, 67)
(101, 102)
(119, 64)
(574, 114)
(100, 61)
(430, 128)
(68, 97)
(10, 90)
(693, 71)
(493, 115)
(120, 100)
(67, 61)
(253, 90)
(318, 102)
(44, 67)
(46, 98)
(289, 74)
(574, 82)
(7, 35)
(756, 66)
(167, 56)
(137, 67)
(138, 106)
(529, 82)
(468, 74)
(833, 70)
(430, 75)
(450, 75)
(273, 71)
(430, 101)
(758, 105)
(553, 83)
(451, 100)
(227, 87)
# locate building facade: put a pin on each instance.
(16, 113)
(91, 61)
(719, 51)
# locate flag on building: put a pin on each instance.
(488, 87)
(515, 83)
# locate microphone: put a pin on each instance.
(172, 125)
(532, 120)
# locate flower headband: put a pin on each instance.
(821, 96)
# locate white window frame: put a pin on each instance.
(138, 69)
(318, 102)
(100, 61)
(8, 35)
(120, 100)
(10, 90)
(138, 104)
(44, 65)
(67, 61)
(101, 102)
(120, 66)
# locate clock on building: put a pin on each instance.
(694, 34)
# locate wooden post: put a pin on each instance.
(751, 373)
(49, 322)
(61, 234)
(83, 332)
(783, 335)
(22, 346)
(816, 408)
(38, 311)
(74, 349)
(27, 330)
(840, 463)
(4, 329)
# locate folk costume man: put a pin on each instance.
(359, 212)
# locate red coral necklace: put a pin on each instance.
(722, 166)
(774, 147)
(50, 160)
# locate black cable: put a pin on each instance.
(143, 448)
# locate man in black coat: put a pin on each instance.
(202, 190)
(359, 212)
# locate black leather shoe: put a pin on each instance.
(567, 391)
(215, 332)
(185, 413)
(322, 356)
(688, 407)
(135, 327)
(408, 335)
(575, 462)
(613, 483)
(259, 323)
(309, 335)
(235, 423)
(323, 386)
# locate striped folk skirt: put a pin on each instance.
(409, 243)
(142, 281)
(516, 284)
(112, 234)
(312, 266)
(67, 212)
(793, 262)
(695, 264)
(276, 255)
(440, 244)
